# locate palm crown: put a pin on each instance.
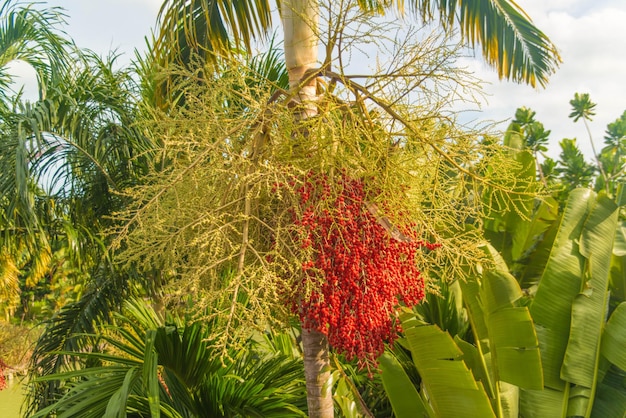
(508, 39)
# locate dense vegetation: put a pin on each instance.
(211, 232)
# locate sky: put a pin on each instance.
(589, 34)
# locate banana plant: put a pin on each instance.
(459, 378)
(523, 235)
(582, 353)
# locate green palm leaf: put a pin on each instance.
(71, 331)
(31, 35)
(168, 369)
(509, 40)
(209, 28)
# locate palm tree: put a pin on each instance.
(152, 365)
(82, 146)
(28, 35)
(95, 147)
(63, 159)
(509, 41)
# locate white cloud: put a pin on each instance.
(112, 25)
(591, 37)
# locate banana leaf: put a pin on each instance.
(570, 308)
(516, 349)
(509, 399)
(527, 233)
(560, 284)
(610, 398)
(477, 364)
(543, 403)
(508, 218)
(589, 306)
(448, 383)
(508, 328)
(528, 269)
(404, 397)
(614, 337)
(618, 265)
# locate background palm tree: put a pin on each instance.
(167, 367)
(64, 158)
(33, 36)
(509, 41)
(72, 153)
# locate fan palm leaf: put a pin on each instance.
(190, 380)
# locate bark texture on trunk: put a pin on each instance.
(300, 22)
(317, 374)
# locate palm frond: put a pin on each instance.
(209, 28)
(192, 380)
(72, 330)
(269, 67)
(63, 159)
(32, 35)
(509, 40)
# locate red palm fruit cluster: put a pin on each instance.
(365, 272)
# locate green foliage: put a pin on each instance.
(509, 40)
(72, 328)
(571, 264)
(614, 337)
(167, 368)
(535, 135)
(444, 308)
(574, 171)
(63, 157)
(216, 224)
(402, 394)
(582, 107)
(616, 131)
(16, 342)
(572, 268)
(613, 155)
(33, 35)
(206, 219)
(356, 393)
(506, 350)
(570, 307)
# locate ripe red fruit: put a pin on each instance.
(366, 273)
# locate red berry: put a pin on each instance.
(366, 272)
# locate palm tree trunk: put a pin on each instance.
(300, 22)
(317, 374)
